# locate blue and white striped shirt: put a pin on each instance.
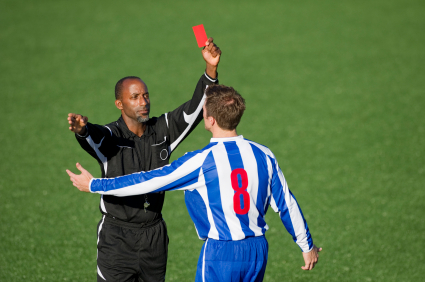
(228, 186)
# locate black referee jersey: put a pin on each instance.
(119, 151)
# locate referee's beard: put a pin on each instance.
(144, 116)
(142, 119)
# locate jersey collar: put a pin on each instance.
(226, 139)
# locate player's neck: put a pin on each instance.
(220, 133)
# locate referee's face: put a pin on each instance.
(135, 100)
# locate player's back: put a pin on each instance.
(228, 187)
(232, 203)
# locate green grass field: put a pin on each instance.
(334, 88)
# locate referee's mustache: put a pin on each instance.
(143, 108)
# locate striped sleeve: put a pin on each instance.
(182, 174)
(284, 202)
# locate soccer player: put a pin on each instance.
(228, 186)
(132, 240)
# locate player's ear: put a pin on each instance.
(211, 120)
(118, 104)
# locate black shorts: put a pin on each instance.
(131, 252)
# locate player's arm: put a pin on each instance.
(185, 118)
(182, 174)
(284, 202)
(311, 258)
(95, 139)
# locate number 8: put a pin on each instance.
(240, 191)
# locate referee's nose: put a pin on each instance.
(143, 101)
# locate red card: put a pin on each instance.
(201, 36)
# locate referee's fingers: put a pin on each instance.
(209, 41)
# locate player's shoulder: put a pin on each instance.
(264, 149)
(206, 150)
(192, 158)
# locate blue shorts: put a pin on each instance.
(232, 261)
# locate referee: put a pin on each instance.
(132, 242)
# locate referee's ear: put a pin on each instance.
(118, 104)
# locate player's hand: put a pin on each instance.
(81, 181)
(311, 258)
(211, 53)
(77, 123)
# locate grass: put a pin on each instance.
(334, 88)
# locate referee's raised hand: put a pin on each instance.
(81, 181)
(211, 54)
(77, 123)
